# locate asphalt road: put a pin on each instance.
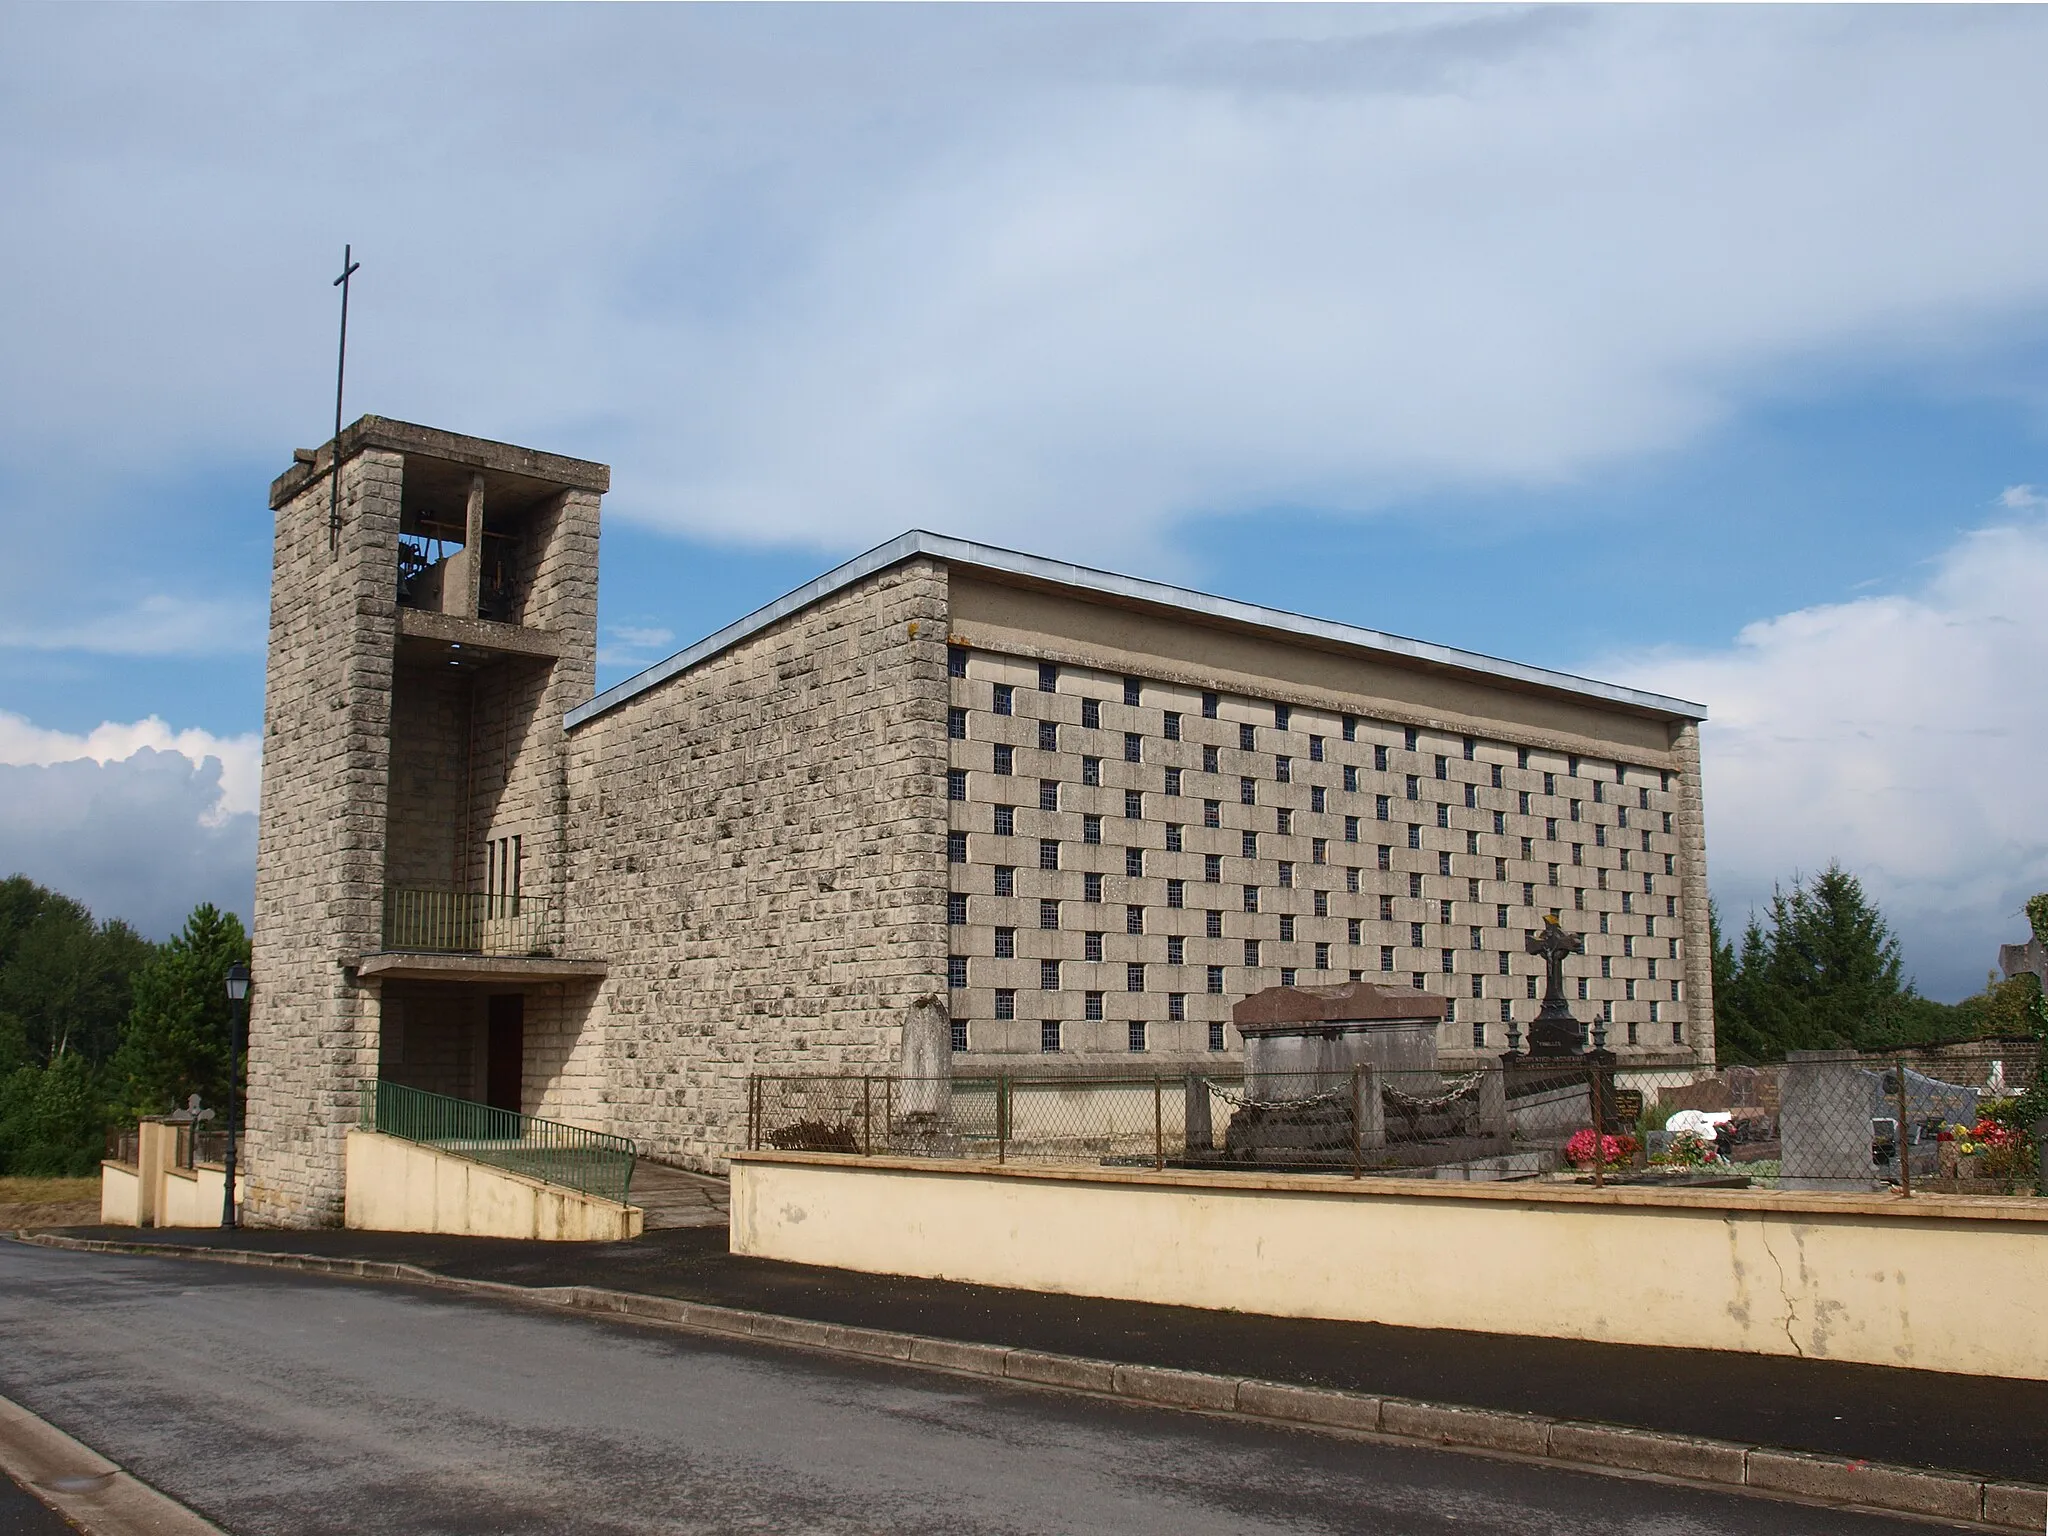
(273, 1402)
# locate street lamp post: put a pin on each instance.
(238, 991)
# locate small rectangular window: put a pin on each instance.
(959, 1034)
(1351, 727)
(1134, 976)
(1287, 927)
(1379, 759)
(1247, 790)
(1134, 919)
(956, 723)
(956, 971)
(1212, 925)
(1443, 766)
(1215, 1037)
(1048, 736)
(1350, 779)
(1133, 692)
(1134, 862)
(1316, 803)
(1414, 786)
(956, 661)
(1443, 911)
(1386, 908)
(1410, 737)
(1249, 844)
(1450, 957)
(1172, 729)
(1315, 749)
(1049, 1036)
(1134, 747)
(1048, 912)
(1173, 781)
(1137, 1036)
(1550, 784)
(1004, 695)
(1091, 771)
(1215, 981)
(1091, 829)
(1006, 879)
(1091, 1006)
(1091, 714)
(1209, 706)
(1048, 853)
(1091, 946)
(1003, 759)
(1247, 738)
(1386, 957)
(1322, 957)
(1091, 887)
(956, 847)
(1283, 770)
(1351, 825)
(1048, 975)
(1048, 794)
(1318, 849)
(1211, 762)
(1471, 797)
(1176, 949)
(1322, 903)
(1414, 836)
(1386, 859)
(1173, 837)
(1283, 821)
(1176, 893)
(1251, 952)
(1177, 1007)
(1443, 815)
(1006, 821)
(1415, 935)
(956, 783)
(956, 909)
(1287, 873)
(1251, 898)
(1500, 823)
(1048, 677)
(1006, 943)
(1212, 867)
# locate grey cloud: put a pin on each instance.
(130, 839)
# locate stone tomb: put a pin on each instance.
(1349, 1074)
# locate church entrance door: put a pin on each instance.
(505, 1053)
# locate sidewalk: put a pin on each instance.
(1986, 1427)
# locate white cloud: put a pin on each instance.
(139, 837)
(635, 645)
(234, 764)
(158, 625)
(1906, 735)
(1056, 277)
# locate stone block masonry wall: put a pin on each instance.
(1154, 822)
(759, 854)
(320, 875)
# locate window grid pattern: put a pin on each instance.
(1494, 818)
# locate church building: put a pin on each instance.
(1084, 812)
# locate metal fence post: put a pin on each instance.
(1901, 1139)
(1358, 1122)
(1158, 1123)
(1599, 1127)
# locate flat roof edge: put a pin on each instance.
(439, 443)
(1061, 573)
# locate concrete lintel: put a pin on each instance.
(413, 965)
(478, 634)
(450, 447)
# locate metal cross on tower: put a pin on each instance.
(348, 270)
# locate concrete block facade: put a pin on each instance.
(1081, 814)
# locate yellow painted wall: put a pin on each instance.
(1936, 1283)
(120, 1195)
(400, 1186)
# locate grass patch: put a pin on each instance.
(20, 1191)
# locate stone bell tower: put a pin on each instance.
(430, 626)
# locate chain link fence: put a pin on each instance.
(1823, 1121)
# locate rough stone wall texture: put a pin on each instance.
(320, 853)
(1692, 865)
(430, 715)
(760, 856)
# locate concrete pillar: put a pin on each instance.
(926, 1059)
(156, 1149)
(1201, 1131)
(1371, 1110)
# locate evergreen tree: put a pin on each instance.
(53, 1119)
(177, 1040)
(64, 981)
(1820, 970)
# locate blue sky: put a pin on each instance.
(1705, 349)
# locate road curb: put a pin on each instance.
(84, 1487)
(1990, 1504)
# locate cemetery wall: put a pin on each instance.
(1937, 1283)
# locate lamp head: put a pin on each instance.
(238, 982)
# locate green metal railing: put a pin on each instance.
(466, 923)
(594, 1162)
